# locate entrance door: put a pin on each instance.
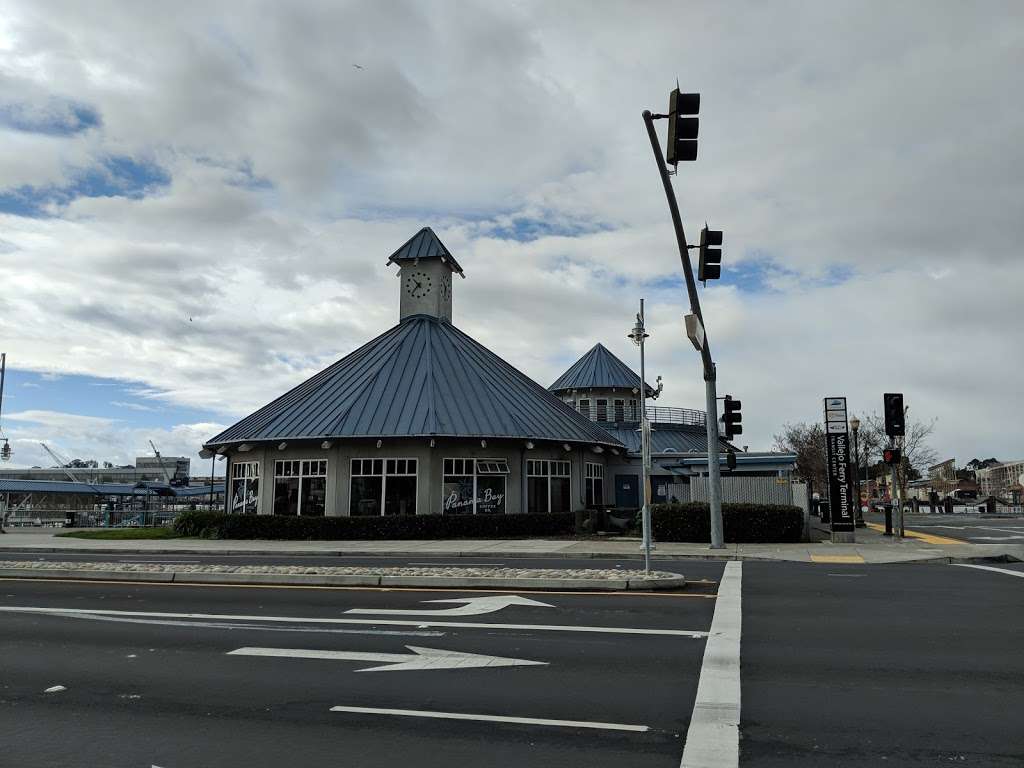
(627, 491)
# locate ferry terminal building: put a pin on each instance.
(425, 420)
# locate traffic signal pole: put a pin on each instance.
(714, 474)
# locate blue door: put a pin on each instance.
(627, 491)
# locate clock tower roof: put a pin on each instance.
(425, 245)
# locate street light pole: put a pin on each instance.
(859, 516)
(714, 476)
(638, 335)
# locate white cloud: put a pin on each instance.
(830, 144)
(89, 437)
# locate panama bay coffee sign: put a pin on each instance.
(488, 497)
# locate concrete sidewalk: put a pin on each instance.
(871, 547)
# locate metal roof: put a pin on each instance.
(92, 489)
(599, 369)
(425, 245)
(423, 377)
(670, 442)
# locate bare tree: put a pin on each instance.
(807, 441)
(918, 456)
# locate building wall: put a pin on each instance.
(994, 481)
(629, 396)
(429, 459)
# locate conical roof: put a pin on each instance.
(425, 245)
(599, 369)
(423, 377)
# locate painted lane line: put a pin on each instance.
(1007, 571)
(473, 606)
(253, 627)
(493, 718)
(420, 658)
(419, 624)
(713, 739)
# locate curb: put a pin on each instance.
(371, 553)
(354, 580)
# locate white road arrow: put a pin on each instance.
(420, 658)
(473, 606)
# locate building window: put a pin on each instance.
(594, 476)
(383, 486)
(620, 410)
(245, 487)
(474, 486)
(602, 410)
(585, 408)
(634, 411)
(547, 486)
(300, 487)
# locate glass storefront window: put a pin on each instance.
(474, 486)
(548, 486)
(383, 486)
(594, 476)
(300, 487)
(245, 487)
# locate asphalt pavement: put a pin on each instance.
(972, 528)
(152, 681)
(841, 665)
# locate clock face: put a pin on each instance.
(418, 284)
(446, 287)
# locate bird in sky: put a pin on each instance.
(357, 66)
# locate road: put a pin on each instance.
(841, 665)
(980, 530)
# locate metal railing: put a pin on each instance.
(667, 415)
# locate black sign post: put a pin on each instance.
(842, 505)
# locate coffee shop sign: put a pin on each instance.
(489, 497)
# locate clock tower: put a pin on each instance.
(426, 268)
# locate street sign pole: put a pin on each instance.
(840, 488)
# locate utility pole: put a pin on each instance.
(683, 146)
(638, 335)
(5, 449)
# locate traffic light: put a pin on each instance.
(892, 455)
(682, 129)
(709, 267)
(893, 407)
(730, 459)
(732, 418)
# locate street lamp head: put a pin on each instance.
(854, 423)
(638, 334)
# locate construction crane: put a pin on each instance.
(62, 463)
(160, 461)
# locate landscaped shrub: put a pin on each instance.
(742, 523)
(221, 526)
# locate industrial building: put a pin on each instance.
(148, 469)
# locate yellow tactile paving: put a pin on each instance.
(837, 559)
(927, 538)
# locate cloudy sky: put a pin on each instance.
(197, 202)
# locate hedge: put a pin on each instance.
(742, 523)
(216, 525)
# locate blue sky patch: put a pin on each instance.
(97, 397)
(115, 176)
(56, 118)
(525, 230)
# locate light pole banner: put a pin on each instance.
(837, 447)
